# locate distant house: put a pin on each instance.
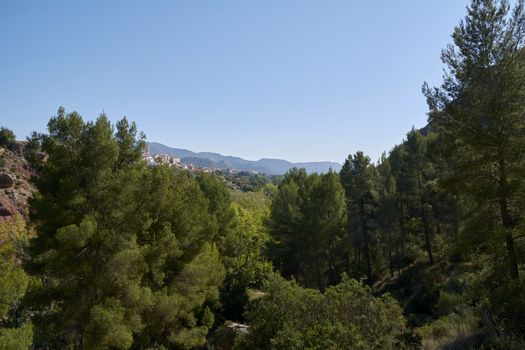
(167, 159)
(159, 159)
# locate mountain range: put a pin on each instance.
(218, 161)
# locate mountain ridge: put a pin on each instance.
(272, 166)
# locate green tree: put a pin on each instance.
(184, 265)
(307, 225)
(244, 253)
(15, 332)
(345, 316)
(33, 150)
(7, 138)
(387, 213)
(330, 228)
(288, 228)
(124, 252)
(400, 172)
(478, 113)
(358, 177)
(419, 168)
(219, 205)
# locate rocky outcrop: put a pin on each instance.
(15, 182)
(224, 337)
(6, 180)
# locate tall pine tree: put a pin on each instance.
(479, 113)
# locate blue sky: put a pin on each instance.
(302, 80)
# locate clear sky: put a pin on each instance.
(302, 80)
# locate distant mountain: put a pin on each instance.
(218, 161)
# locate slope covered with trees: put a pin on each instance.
(423, 249)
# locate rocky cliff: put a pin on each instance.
(15, 182)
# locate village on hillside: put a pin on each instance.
(240, 180)
(175, 161)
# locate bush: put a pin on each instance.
(508, 306)
(448, 302)
(345, 316)
(452, 332)
(7, 138)
(13, 285)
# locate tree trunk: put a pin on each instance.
(365, 239)
(318, 266)
(390, 263)
(456, 219)
(402, 233)
(331, 261)
(507, 221)
(424, 219)
(508, 224)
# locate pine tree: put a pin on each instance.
(479, 111)
(387, 213)
(358, 177)
(124, 253)
(307, 222)
(418, 166)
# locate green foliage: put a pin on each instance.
(238, 230)
(33, 150)
(14, 334)
(420, 168)
(7, 138)
(307, 225)
(173, 315)
(478, 113)
(507, 304)
(451, 332)
(345, 316)
(126, 253)
(358, 178)
(13, 285)
(244, 252)
(128, 256)
(219, 205)
(246, 181)
(448, 302)
(106, 328)
(19, 338)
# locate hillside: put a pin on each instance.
(219, 161)
(15, 185)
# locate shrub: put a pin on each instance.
(451, 332)
(7, 138)
(345, 316)
(508, 305)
